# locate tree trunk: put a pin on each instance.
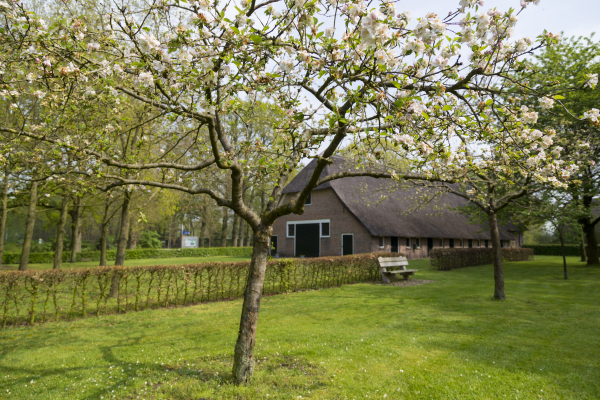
(75, 227)
(4, 212)
(203, 228)
(124, 230)
(496, 248)
(247, 241)
(243, 364)
(241, 233)
(224, 227)
(60, 231)
(122, 243)
(582, 246)
(234, 231)
(103, 245)
(104, 233)
(29, 225)
(593, 258)
(564, 257)
(132, 236)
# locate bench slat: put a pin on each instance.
(393, 263)
(383, 259)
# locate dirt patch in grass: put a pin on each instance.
(403, 283)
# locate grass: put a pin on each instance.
(441, 340)
(146, 261)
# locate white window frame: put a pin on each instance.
(307, 199)
(342, 243)
(408, 243)
(418, 242)
(382, 238)
(311, 221)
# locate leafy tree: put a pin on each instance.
(150, 240)
(572, 67)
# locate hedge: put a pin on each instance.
(448, 259)
(136, 254)
(33, 296)
(554, 249)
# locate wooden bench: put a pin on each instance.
(394, 262)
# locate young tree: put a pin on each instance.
(334, 72)
(573, 67)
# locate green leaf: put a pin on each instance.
(146, 29)
(299, 117)
(425, 115)
(447, 107)
(559, 97)
(489, 102)
(256, 38)
(397, 85)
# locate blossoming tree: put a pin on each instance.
(341, 72)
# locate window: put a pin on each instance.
(408, 243)
(308, 200)
(502, 243)
(487, 243)
(417, 243)
(470, 243)
(381, 242)
(451, 243)
(459, 243)
(325, 229)
(513, 244)
(291, 230)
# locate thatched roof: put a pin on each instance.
(387, 208)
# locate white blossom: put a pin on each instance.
(546, 103)
(146, 79)
(592, 81)
(287, 66)
(592, 115)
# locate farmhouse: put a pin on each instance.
(365, 214)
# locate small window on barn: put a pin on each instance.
(417, 243)
(487, 243)
(451, 243)
(308, 200)
(291, 230)
(325, 229)
(381, 242)
(408, 243)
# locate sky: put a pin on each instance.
(574, 17)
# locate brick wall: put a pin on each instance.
(325, 205)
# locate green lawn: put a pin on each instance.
(146, 261)
(441, 340)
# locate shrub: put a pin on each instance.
(150, 240)
(39, 296)
(554, 249)
(135, 254)
(447, 259)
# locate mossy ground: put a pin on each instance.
(441, 340)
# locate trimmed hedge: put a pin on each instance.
(554, 249)
(40, 296)
(448, 259)
(136, 254)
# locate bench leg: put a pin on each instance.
(385, 278)
(405, 276)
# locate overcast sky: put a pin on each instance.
(575, 17)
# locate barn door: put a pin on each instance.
(347, 244)
(307, 240)
(394, 244)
